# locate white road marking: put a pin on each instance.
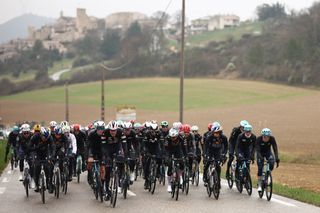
(5, 180)
(130, 193)
(2, 190)
(283, 202)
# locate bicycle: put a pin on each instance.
(79, 167)
(114, 180)
(26, 177)
(56, 178)
(266, 182)
(195, 172)
(152, 174)
(65, 175)
(232, 176)
(213, 185)
(186, 175)
(243, 177)
(175, 181)
(125, 181)
(42, 180)
(13, 159)
(96, 181)
(162, 178)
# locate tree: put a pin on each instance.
(267, 11)
(111, 43)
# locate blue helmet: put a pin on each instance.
(45, 132)
(243, 123)
(247, 128)
(266, 132)
(58, 130)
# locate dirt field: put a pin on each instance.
(294, 122)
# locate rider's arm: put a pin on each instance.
(74, 143)
(225, 145)
(274, 147)
(237, 145)
(258, 147)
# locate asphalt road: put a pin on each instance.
(81, 199)
(56, 76)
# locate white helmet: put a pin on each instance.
(147, 124)
(177, 125)
(154, 126)
(53, 124)
(64, 123)
(173, 132)
(243, 123)
(127, 125)
(99, 125)
(194, 128)
(216, 127)
(112, 125)
(120, 123)
(25, 128)
(65, 129)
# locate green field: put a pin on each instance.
(2, 153)
(162, 93)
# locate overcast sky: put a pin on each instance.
(101, 8)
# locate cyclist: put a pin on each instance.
(263, 149)
(164, 132)
(176, 147)
(191, 147)
(245, 147)
(216, 147)
(152, 147)
(232, 143)
(72, 149)
(23, 145)
(198, 141)
(81, 139)
(13, 139)
(53, 124)
(132, 146)
(205, 135)
(61, 145)
(44, 149)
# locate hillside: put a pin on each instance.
(18, 27)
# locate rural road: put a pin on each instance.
(56, 76)
(80, 199)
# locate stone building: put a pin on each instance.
(211, 23)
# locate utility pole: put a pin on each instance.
(67, 101)
(182, 61)
(102, 96)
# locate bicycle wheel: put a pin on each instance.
(230, 180)
(239, 185)
(12, 162)
(173, 189)
(177, 190)
(26, 185)
(209, 185)
(42, 189)
(269, 186)
(197, 174)
(261, 193)
(57, 185)
(248, 184)
(187, 181)
(66, 183)
(153, 180)
(125, 185)
(114, 190)
(136, 171)
(216, 183)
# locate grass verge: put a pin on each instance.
(2, 153)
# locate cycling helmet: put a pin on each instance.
(25, 128)
(15, 129)
(209, 126)
(247, 128)
(177, 125)
(186, 128)
(147, 124)
(194, 128)
(243, 123)
(154, 121)
(45, 132)
(58, 130)
(173, 132)
(266, 132)
(53, 124)
(137, 125)
(100, 125)
(113, 125)
(127, 125)
(64, 123)
(216, 127)
(37, 128)
(164, 123)
(76, 127)
(120, 124)
(66, 129)
(154, 126)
